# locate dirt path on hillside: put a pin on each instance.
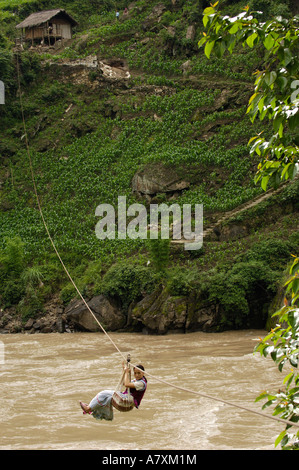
(238, 210)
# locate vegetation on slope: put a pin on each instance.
(86, 155)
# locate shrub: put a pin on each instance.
(32, 277)
(127, 283)
(12, 292)
(21, 285)
(181, 281)
(237, 288)
(12, 260)
(274, 252)
(67, 293)
(53, 93)
(31, 304)
(159, 253)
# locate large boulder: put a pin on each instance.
(202, 315)
(159, 313)
(105, 311)
(191, 31)
(157, 178)
(151, 21)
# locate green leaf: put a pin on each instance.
(294, 84)
(295, 287)
(250, 40)
(234, 28)
(270, 77)
(294, 315)
(262, 396)
(295, 266)
(209, 11)
(279, 438)
(205, 20)
(281, 364)
(202, 41)
(281, 82)
(277, 122)
(285, 172)
(268, 350)
(255, 146)
(273, 103)
(208, 48)
(287, 56)
(264, 182)
(252, 139)
(263, 113)
(231, 43)
(272, 400)
(280, 130)
(288, 378)
(269, 42)
(219, 48)
(252, 97)
(261, 104)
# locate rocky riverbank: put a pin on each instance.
(158, 313)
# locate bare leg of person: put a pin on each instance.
(85, 408)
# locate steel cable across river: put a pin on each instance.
(44, 376)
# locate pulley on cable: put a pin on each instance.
(123, 401)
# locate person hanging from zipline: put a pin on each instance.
(101, 406)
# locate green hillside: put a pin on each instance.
(170, 110)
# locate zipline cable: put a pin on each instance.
(42, 215)
(204, 395)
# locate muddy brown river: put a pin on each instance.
(43, 377)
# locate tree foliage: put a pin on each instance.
(159, 253)
(282, 344)
(276, 90)
(276, 86)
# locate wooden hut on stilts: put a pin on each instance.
(47, 27)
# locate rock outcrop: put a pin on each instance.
(161, 313)
(106, 312)
(155, 179)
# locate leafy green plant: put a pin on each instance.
(276, 86)
(180, 281)
(31, 304)
(282, 345)
(235, 288)
(22, 286)
(159, 253)
(13, 291)
(83, 157)
(32, 277)
(67, 293)
(12, 261)
(127, 282)
(272, 251)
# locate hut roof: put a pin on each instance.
(36, 19)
